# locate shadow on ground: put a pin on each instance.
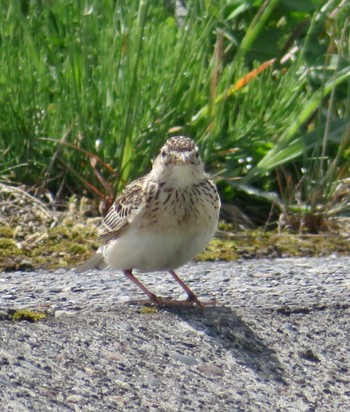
(233, 334)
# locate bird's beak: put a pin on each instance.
(181, 159)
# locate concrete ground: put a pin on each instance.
(276, 339)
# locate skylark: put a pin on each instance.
(162, 220)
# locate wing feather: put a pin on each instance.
(123, 211)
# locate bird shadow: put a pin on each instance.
(223, 325)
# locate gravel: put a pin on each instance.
(277, 339)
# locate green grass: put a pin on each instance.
(115, 78)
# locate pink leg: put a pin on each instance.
(191, 295)
(152, 297)
(192, 298)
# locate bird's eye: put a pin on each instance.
(163, 153)
(197, 155)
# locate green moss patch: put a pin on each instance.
(262, 244)
(6, 232)
(59, 247)
(27, 315)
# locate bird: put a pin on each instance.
(161, 220)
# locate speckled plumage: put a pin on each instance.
(161, 220)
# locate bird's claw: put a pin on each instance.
(167, 302)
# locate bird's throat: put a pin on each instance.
(182, 176)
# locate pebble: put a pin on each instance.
(5, 381)
(187, 360)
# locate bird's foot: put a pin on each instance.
(191, 301)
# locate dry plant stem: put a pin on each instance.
(20, 193)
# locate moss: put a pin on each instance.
(59, 233)
(8, 253)
(227, 227)
(77, 248)
(6, 232)
(219, 250)
(260, 244)
(6, 243)
(148, 310)
(28, 315)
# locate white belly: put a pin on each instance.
(149, 251)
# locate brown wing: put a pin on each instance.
(123, 210)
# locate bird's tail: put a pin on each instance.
(95, 262)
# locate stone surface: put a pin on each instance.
(277, 339)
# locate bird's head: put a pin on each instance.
(179, 159)
(178, 151)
